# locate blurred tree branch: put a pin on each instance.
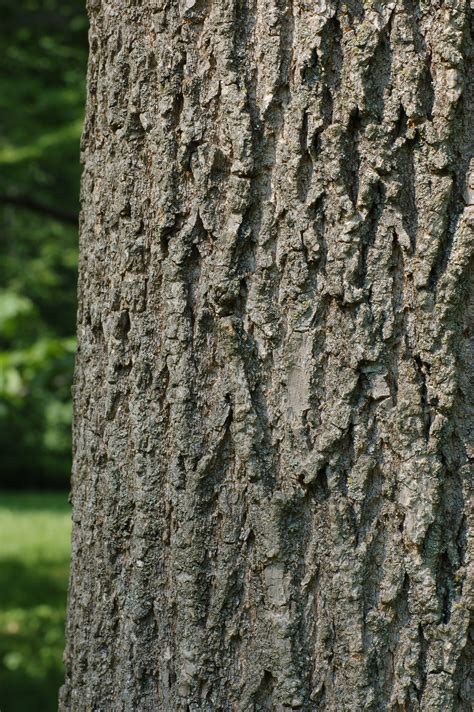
(26, 203)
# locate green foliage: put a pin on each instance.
(44, 49)
(34, 562)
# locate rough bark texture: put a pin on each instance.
(274, 382)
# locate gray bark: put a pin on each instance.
(273, 395)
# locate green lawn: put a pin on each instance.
(34, 562)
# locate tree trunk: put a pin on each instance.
(272, 395)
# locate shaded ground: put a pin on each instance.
(34, 563)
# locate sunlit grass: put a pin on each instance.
(34, 562)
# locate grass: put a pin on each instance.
(34, 565)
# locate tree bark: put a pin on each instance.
(273, 392)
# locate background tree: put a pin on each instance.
(43, 45)
(271, 473)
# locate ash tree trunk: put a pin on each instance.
(273, 394)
